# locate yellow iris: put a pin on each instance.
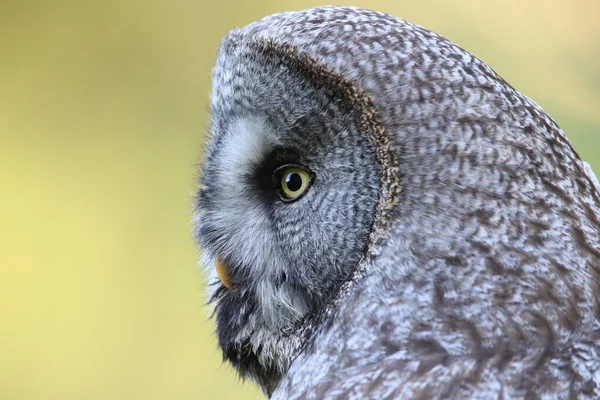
(294, 182)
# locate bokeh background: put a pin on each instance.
(103, 111)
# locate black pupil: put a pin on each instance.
(293, 181)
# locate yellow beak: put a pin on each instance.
(223, 272)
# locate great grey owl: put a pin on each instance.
(383, 216)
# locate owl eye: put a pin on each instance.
(292, 181)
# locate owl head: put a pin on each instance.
(340, 135)
(300, 179)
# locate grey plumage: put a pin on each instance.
(449, 246)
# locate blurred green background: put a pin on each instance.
(103, 111)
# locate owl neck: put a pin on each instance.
(264, 354)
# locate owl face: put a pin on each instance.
(288, 192)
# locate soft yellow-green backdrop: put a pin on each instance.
(102, 117)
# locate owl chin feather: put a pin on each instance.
(448, 245)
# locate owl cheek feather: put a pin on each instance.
(223, 273)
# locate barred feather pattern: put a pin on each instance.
(480, 276)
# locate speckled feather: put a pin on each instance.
(470, 266)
